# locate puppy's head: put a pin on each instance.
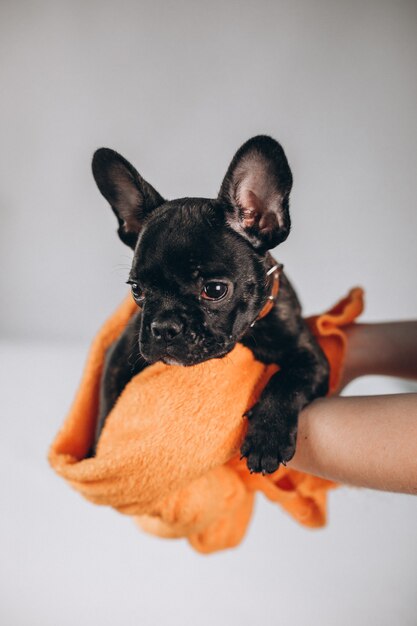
(198, 269)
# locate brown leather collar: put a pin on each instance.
(273, 275)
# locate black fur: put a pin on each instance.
(180, 248)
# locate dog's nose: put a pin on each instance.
(166, 329)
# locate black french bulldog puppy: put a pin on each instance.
(202, 275)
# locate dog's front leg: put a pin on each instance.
(272, 422)
(122, 361)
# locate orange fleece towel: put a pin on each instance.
(169, 452)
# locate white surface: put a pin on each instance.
(65, 561)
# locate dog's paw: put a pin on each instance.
(267, 445)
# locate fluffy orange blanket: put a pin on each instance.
(169, 452)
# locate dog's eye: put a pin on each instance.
(137, 292)
(214, 290)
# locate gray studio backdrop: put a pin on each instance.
(176, 87)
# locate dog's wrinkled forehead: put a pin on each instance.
(182, 241)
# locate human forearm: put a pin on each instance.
(364, 441)
(387, 349)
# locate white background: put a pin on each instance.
(176, 87)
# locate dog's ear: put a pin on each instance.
(129, 195)
(256, 192)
